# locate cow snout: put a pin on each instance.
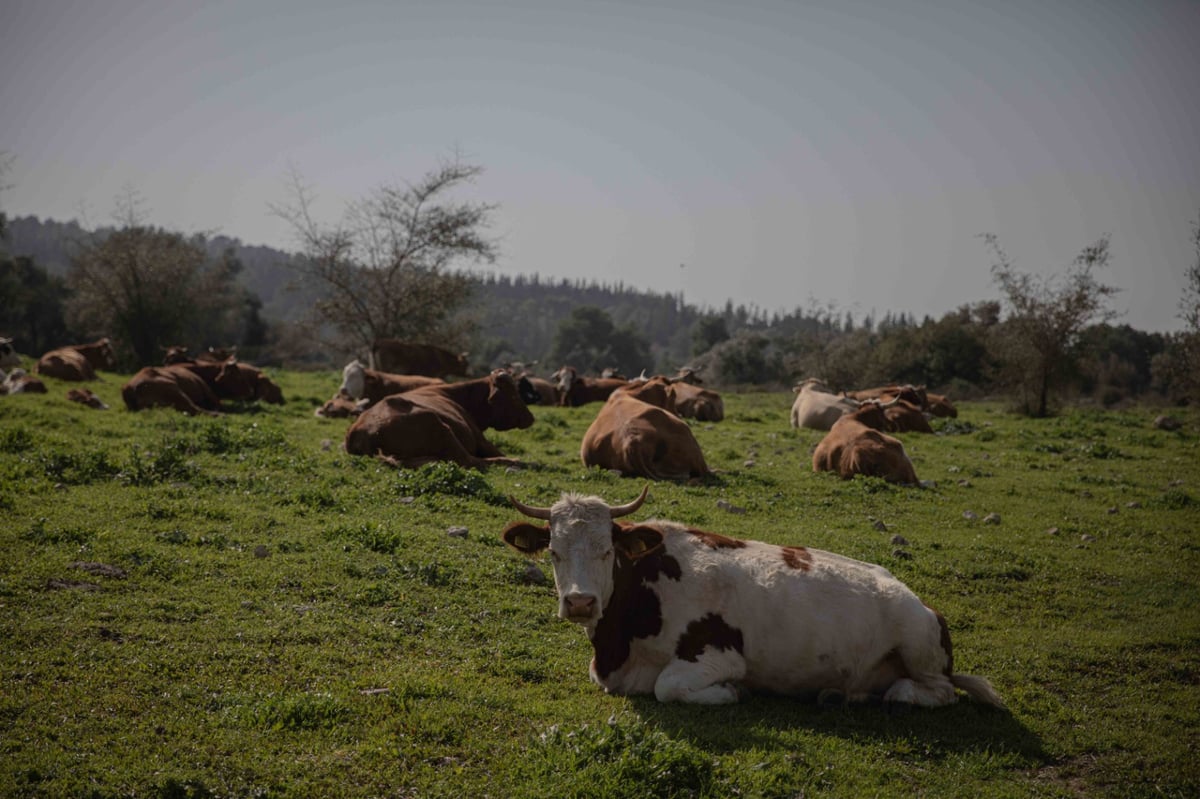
(579, 607)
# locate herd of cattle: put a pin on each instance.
(684, 614)
(415, 416)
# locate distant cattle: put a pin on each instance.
(634, 437)
(234, 381)
(816, 408)
(856, 445)
(18, 381)
(541, 391)
(173, 386)
(575, 390)
(78, 362)
(908, 392)
(694, 402)
(8, 354)
(406, 358)
(359, 382)
(442, 422)
(940, 405)
(84, 396)
(904, 417)
(340, 406)
(695, 616)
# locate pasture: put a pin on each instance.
(197, 607)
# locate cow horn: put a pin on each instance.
(530, 510)
(889, 404)
(625, 510)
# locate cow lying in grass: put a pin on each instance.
(856, 445)
(693, 616)
(78, 362)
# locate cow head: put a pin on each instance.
(8, 355)
(528, 393)
(565, 378)
(506, 409)
(354, 380)
(103, 356)
(585, 545)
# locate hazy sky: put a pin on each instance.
(778, 154)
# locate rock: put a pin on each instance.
(261, 551)
(1133, 505)
(965, 483)
(1167, 423)
(970, 515)
(326, 445)
(992, 518)
(1052, 531)
(749, 463)
(902, 554)
(880, 526)
(1085, 538)
(899, 540)
(457, 532)
(407, 500)
(533, 575)
(729, 507)
(1114, 509)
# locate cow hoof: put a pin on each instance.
(830, 697)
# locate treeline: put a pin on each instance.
(968, 351)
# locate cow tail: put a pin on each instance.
(977, 688)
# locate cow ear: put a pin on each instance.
(636, 541)
(525, 537)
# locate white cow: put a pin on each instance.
(816, 407)
(693, 616)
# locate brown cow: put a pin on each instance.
(406, 358)
(654, 390)
(173, 386)
(909, 393)
(85, 396)
(693, 402)
(78, 362)
(546, 393)
(359, 382)
(855, 445)
(239, 382)
(441, 423)
(637, 438)
(904, 417)
(940, 405)
(575, 391)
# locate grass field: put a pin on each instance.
(234, 607)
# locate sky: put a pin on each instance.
(779, 154)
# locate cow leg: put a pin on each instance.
(709, 680)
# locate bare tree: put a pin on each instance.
(1036, 342)
(147, 287)
(384, 270)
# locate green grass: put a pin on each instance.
(234, 607)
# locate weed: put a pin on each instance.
(447, 479)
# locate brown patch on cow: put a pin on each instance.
(708, 631)
(633, 610)
(797, 558)
(945, 641)
(716, 540)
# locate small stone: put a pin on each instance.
(533, 575)
(407, 500)
(261, 551)
(723, 504)
(954, 469)
(899, 540)
(1167, 423)
(749, 463)
(1113, 509)
(1133, 505)
(1085, 538)
(879, 525)
(1052, 531)
(902, 554)
(965, 483)
(970, 515)
(326, 445)
(457, 532)
(992, 518)
(927, 484)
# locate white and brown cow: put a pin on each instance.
(8, 354)
(693, 616)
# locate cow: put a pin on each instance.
(817, 408)
(694, 402)
(85, 396)
(8, 354)
(575, 391)
(700, 617)
(856, 445)
(79, 361)
(441, 423)
(405, 358)
(359, 382)
(541, 391)
(633, 437)
(941, 406)
(908, 392)
(340, 406)
(174, 386)
(904, 417)
(176, 353)
(688, 374)
(18, 381)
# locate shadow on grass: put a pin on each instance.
(763, 720)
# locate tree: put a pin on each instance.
(383, 271)
(148, 288)
(588, 341)
(1036, 343)
(709, 331)
(32, 310)
(1177, 370)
